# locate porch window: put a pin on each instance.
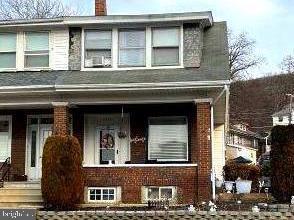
(5, 137)
(132, 44)
(36, 49)
(7, 50)
(168, 139)
(165, 46)
(98, 46)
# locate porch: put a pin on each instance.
(127, 149)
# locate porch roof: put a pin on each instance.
(214, 67)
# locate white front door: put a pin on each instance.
(37, 135)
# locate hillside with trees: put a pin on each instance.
(254, 101)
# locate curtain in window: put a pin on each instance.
(98, 40)
(165, 37)
(37, 49)
(4, 138)
(7, 50)
(132, 48)
(37, 41)
(165, 42)
(168, 139)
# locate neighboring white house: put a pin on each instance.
(242, 143)
(282, 117)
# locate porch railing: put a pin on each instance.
(4, 172)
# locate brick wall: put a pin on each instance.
(61, 120)
(100, 8)
(131, 179)
(18, 143)
(203, 150)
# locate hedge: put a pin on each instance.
(62, 176)
(282, 162)
(233, 171)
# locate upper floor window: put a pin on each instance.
(7, 50)
(132, 47)
(98, 46)
(36, 49)
(165, 46)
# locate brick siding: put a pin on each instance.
(131, 179)
(61, 120)
(100, 8)
(203, 150)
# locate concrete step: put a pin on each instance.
(21, 198)
(22, 185)
(21, 194)
(34, 205)
(20, 191)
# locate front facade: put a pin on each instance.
(145, 95)
(242, 143)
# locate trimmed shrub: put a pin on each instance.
(233, 171)
(282, 162)
(62, 176)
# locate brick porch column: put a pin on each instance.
(201, 149)
(61, 118)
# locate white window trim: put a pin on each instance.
(148, 51)
(9, 119)
(187, 140)
(145, 189)
(49, 51)
(180, 46)
(16, 52)
(117, 194)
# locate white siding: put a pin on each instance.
(219, 150)
(60, 48)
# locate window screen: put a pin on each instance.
(7, 50)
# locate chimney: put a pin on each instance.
(100, 8)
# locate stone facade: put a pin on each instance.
(193, 43)
(75, 49)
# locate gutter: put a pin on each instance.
(111, 87)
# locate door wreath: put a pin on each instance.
(107, 141)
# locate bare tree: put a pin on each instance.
(287, 64)
(28, 9)
(241, 55)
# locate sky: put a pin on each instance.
(269, 22)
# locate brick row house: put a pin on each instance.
(146, 96)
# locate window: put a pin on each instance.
(5, 137)
(160, 193)
(132, 46)
(98, 46)
(165, 46)
(102, 194)
(7, 50)
(36, 49)
(168, 139)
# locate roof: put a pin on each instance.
(205, 17)
(246, 133)
(284, 112)
(214, 67)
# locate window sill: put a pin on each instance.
(132, 68)
(139, 165)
